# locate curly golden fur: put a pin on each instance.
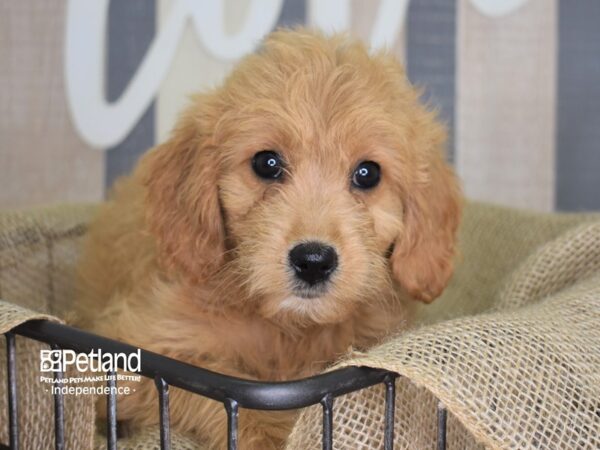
(189, 256)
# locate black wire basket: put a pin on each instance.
(233, 393)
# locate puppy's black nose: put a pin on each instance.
(313, 262)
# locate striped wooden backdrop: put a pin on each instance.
(517, 81)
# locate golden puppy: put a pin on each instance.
(295, 212)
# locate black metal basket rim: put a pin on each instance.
(247, 393)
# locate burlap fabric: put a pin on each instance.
(511, 348)
(149, 439)
(38, 250)
(525, 374)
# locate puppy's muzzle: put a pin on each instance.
(313, 262)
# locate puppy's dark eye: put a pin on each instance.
(268, 165)
(366, 175)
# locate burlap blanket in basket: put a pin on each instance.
(512, 348)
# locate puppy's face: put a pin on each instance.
(311, 214)
(313, 180)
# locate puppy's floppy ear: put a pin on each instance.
(182, 202)
(422, 260)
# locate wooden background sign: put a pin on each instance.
(88, 86)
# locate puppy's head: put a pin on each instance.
(312, 181)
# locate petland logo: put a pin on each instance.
(95, 361)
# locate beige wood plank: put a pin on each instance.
(42, 159)
(193, 68)
(506, 100)
(363, 15)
